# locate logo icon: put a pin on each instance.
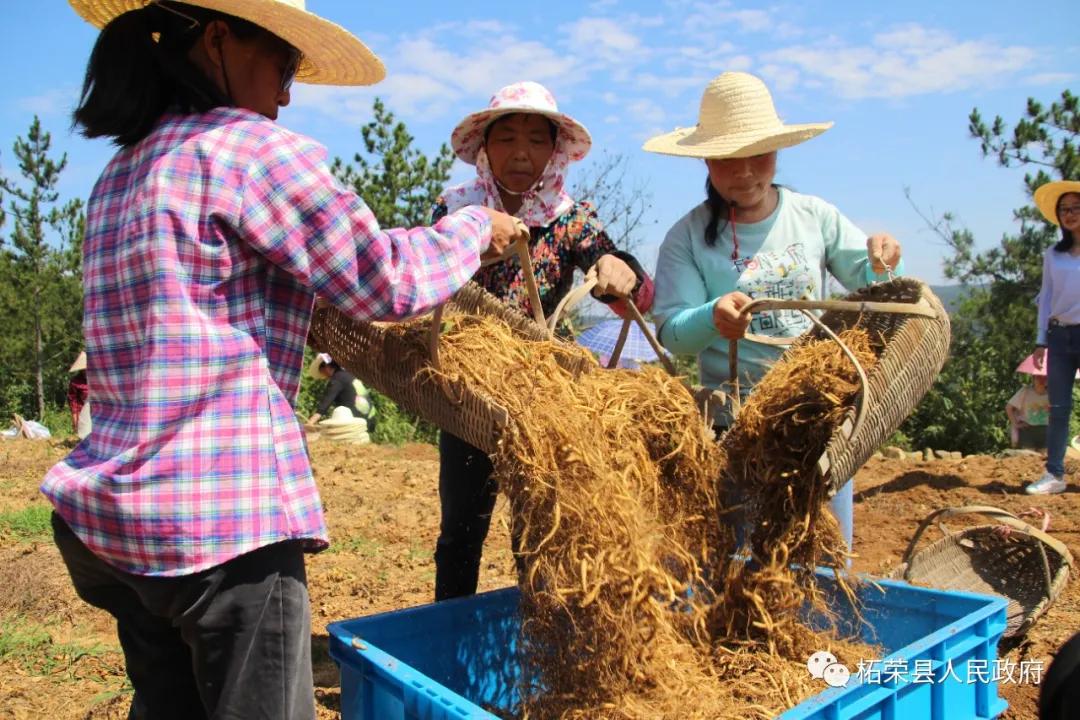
(824, 666)
(818, 662)
(836, 675)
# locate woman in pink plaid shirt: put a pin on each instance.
(186, 513)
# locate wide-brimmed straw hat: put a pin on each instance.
(342, 417)
(316, 364)
(331, 54)
(79, 364)
(1047, 196)
(737, 119)
(521, 97)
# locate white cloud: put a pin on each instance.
(740, 63)
(604, 38)
(671, 86)
(1049, 78)
(60, 101)
(428, 79)
(645, 111)
(780, 78)
(909, 60)
(717, 15)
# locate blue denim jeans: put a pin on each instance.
(843, 507)
(1063, 357)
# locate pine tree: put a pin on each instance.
(397, 181)
(400, 184)
(40, 269)
(994, 328)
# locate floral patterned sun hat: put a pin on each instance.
(521, 97)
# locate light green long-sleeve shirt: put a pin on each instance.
(788, 255)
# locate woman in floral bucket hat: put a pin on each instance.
(1059, 325)
(187, 511)
(522, 147)
(752, 238)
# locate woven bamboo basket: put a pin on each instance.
(1024, 565)
(905, 312)
(914, 327)
(381, 361)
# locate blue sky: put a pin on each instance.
(897, 78)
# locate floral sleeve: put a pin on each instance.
(591, 242)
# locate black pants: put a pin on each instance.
(233, 641)
(467, 495)
(1059, 696)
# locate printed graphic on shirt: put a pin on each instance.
(779, 275)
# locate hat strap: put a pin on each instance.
(734, 233)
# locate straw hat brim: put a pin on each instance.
(313, 368)
(1047, 196)
(79, 364)
(468, 136)
(332, 55)
(693, 142)
(346, 435)
(342, 422)
(351, 422)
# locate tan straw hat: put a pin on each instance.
(331, 54)
(521, 97)
(1047, 196)
(79, 364)
(316, 364)
(737, 119)
(342, 417)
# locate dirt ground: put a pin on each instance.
(60, 659)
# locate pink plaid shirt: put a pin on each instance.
(205, 244)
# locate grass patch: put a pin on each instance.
(356, 545)
(30, 524)
(32, 648)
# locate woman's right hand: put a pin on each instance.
(727, 316)
(505, 230)
(1039, 357)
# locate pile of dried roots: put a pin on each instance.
(621, 504)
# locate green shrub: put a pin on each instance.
(394, 426)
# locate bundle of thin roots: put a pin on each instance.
(774, 489)
(631, 606)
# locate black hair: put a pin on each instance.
(1065, 244)
(719, 210)
(139, 70)
(553, 129)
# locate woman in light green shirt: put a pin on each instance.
(750, 239)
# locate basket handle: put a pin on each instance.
(577, 294)
(1006, 518)
(921, 308)
(524, 255)
(519, 248)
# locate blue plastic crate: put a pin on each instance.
(447, 661)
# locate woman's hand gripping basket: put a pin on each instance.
(1008, 558)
